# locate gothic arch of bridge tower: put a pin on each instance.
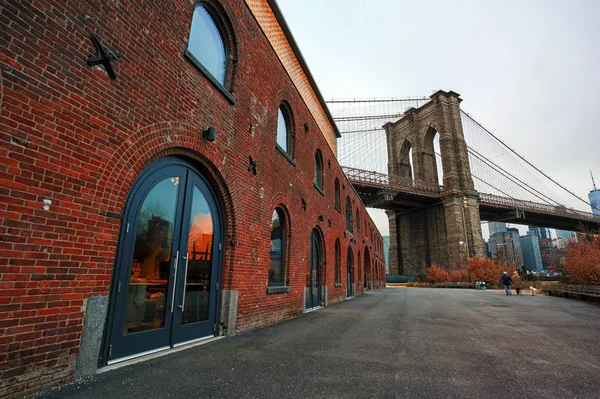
(447, 231)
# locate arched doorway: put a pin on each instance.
(165, 287)
(313, 278)
(367, 269)
(349, 273)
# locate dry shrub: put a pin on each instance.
(583, 261)
(485, 269)
(437, 275)
(459, 275)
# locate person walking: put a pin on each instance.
(516, 279)
(506, 280)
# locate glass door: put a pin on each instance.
(313, 297)
(198, 284)
(147, 265)
(349, 273)
(165, 289)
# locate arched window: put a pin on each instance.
(284, 131)
(206, 47)
(318, 170)
(405, 161)
(277, 265)
(357, 220)
(338, 260)
(349, 223)
(337, 194)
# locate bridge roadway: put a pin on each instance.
(392, 343)
(378, 190)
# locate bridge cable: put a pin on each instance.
(529, 163)
(479, 156)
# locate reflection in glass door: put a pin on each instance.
(198, 289)
(148, 281)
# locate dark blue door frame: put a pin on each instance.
(117, 344)
(313, 297)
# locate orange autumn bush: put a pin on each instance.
(437, 274)
(459, 275)
(485, 269)
(583, 261)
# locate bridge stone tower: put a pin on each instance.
(447, 232)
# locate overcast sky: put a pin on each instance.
(528, 70)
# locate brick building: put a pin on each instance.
(183, 185)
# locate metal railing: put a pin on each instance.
(593, 290)
(376, 179)
(497, 200)
(405, 185)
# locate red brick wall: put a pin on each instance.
(71, 135)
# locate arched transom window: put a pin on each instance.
(277, 250)
(283, 129)
(349, 223)
(336, 191)
(206, 46)
(318, 170)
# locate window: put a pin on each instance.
(206, 46)
(277, 266)
(357, 220)
(283, 129)
(336, 190)
(349, 223)
(318, 170)
(338, 260)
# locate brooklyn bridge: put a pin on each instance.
(438, 173)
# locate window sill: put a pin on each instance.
(285, 154)
(278, 290)
(229, 96)
(337, 285)
(319, 189)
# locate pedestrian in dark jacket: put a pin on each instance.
(506, 280)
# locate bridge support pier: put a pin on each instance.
(443, 235)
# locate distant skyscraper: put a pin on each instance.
(546, 251)
(540, 232)
(386, 252)
(496, 227)
(532, 256)
(510, 243)
(567, 235)
(594, 197)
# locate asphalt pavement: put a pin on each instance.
(392, 343)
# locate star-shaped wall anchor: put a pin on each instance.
(252, 166)
(102, 57)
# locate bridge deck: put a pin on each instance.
(378, 190)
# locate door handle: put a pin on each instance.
(174, 281)
(184, 283)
